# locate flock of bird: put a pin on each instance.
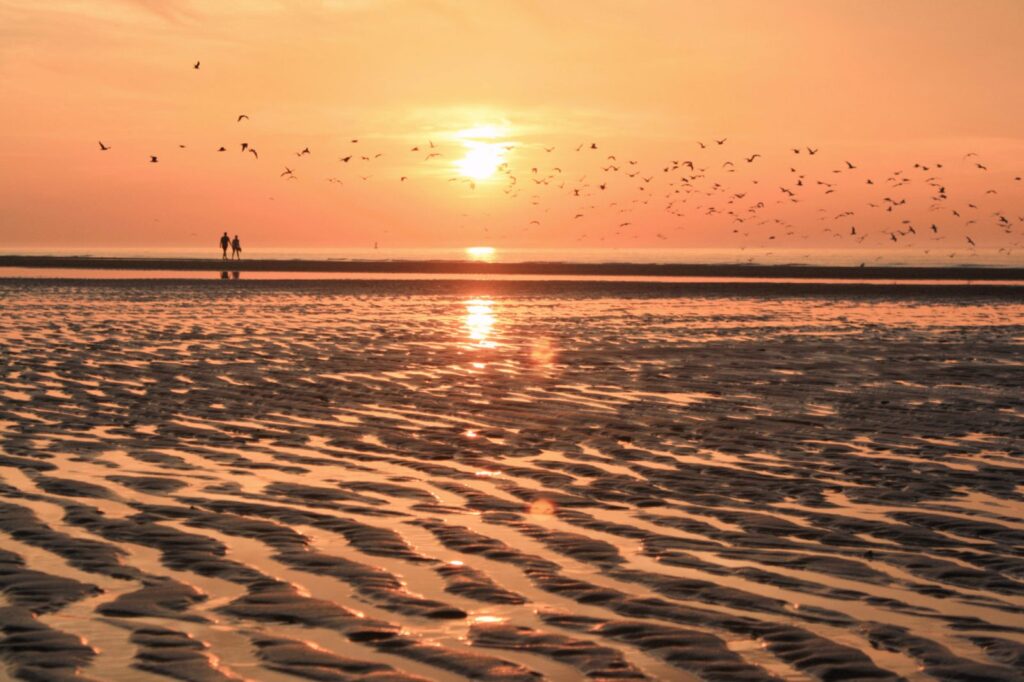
(912, 206)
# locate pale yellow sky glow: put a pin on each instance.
(515, 124)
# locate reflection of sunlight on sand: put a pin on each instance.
(542, 352)
(480, 321)
(542, 507)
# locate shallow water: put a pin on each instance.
(613, 480)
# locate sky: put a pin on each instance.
(606, 100)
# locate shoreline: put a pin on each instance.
(869, 290)
(428, 267)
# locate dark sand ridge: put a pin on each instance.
(739, 488)
(967, 272)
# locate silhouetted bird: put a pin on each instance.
(241, 116)
(153, 159)
(812, 152)
(221, 149)
(346, 159)
(196, 65)
(103, 147)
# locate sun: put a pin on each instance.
(481, 160)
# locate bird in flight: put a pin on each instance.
(722, 141)
(346, 159)
(593, 145)
(850, 166)
(812, 152)
(432, 155)
(196, 65)
(287, 171)
(750, 159)
(245, 145)
(103, 147)
(549, 149)
(304, 151)
(253, 152)
(970, 241)
(153, 159)
(240, 117)
(222, 149)
(403, 178)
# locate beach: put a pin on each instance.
(511, 480)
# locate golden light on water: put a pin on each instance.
(484, 253)
(480, 320)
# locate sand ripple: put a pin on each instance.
(399, 481)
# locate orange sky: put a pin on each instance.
(880, 84)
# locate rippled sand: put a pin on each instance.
(508, 481)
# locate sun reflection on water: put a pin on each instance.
(481, 253)
(480, 321)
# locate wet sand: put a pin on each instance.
(459, 480)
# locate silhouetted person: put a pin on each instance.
(236, 248)
(225, 242)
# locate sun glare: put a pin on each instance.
(485, 253)
(481, 160)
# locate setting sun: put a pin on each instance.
(481, 160)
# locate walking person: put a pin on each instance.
(236, 248)
(225, 241)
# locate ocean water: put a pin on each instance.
(838, 257)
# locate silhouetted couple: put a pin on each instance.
(235, 244)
